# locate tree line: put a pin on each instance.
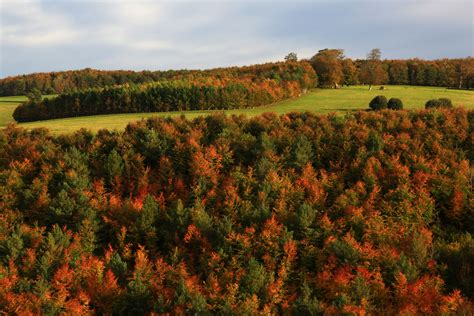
(368, 213)
(330, 64)
(333, 69)
(230, 88)
(74, 80)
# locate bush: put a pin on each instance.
(446, 103)
(34, 95)
(431, 104)
(378, 103)
(395, 104)
(439, 103)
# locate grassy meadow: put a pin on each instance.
(317, 100)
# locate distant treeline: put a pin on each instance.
(456, 73)
(229, 88)
(330, 65)
(68, 81)
(333, 68)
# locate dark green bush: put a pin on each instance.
(446, 103)
(395, 104)
(378, 103)
(439, 103)
(431, 104)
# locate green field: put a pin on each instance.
(318, 100)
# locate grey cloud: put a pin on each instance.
(59, 35)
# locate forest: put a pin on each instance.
(330, 64)
(73, 80)
(367, 213)
(334, 68)
(232, 88)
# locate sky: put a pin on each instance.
(55, 35)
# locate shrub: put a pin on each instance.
(395, 104)
(446, 103)
(434, 103)
(34, 95)
(378, 103)
(439, 103)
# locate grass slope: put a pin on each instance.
(318, 100)
(8, 105)
(6, 110)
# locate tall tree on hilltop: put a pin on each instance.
(464, 69)
(291, 57)
(372, 71)
(328, 66)
(349, 70)
(375, 54)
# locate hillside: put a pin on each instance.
(330, 64)
(294, 214)
(226, 88)
(237, 158)
(317, 101)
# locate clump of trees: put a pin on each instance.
(230, 88)
(73, 80)
(34, 96)
(371, 70)
(378, 103)
(369, 213)
(291, 57)
(458, 258)
(453, 73)
(395, 104)
(333, 68)
(439, 103)
(328, 66)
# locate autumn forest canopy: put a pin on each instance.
(364, 212)
(228, 88)
(298, 214)
(330, 64)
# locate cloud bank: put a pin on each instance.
(61, 35)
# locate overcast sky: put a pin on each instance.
(58, 35)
